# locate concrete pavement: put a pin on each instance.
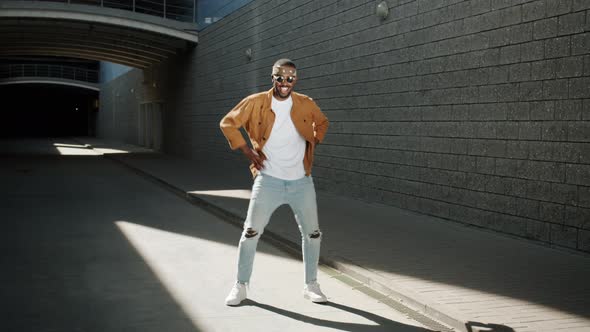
(90, 246)
(465, 277)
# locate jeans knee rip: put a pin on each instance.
(250, 233)
(315, 235)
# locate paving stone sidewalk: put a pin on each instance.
(471, 279)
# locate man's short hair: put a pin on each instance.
(284, 62)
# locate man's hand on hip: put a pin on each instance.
(253, 156)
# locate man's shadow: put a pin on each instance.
(383, 324)
(481, 327)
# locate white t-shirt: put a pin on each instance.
(285, 148)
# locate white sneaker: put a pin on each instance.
(236, 295)
(313, 292)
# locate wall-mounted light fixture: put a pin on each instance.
(382, 10)
(248, 53)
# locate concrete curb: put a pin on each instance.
(373, 280)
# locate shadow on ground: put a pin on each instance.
(31, 182)
(481, 327)
(449, 253)
(66, 267)
(381, 324)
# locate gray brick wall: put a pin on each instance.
(476, 111)
(120, 100)
(117, 114)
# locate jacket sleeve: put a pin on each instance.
(232, 122)
(321, 122)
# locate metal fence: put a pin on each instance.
(179, 10)
(203, 13)
(53, 71)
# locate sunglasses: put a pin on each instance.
(280, 79)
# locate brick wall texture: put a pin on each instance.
(117, 117)
(120, 100)
(476, 111)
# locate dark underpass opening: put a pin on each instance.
(47, 110)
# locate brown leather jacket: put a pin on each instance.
(255, 115)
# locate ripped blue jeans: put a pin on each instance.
(268, 193)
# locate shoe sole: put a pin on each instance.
(234, 304)
(314, 301)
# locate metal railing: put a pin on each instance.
(178, 10)
(53, 71)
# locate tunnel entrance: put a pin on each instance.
(47, 110)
